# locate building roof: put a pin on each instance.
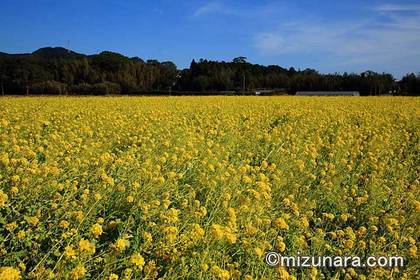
(328, 93)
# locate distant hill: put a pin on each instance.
(48, 53)
(57, 70)
(3, 54)
(56, 53)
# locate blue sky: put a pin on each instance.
(330, 36)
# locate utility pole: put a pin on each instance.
(243, 82)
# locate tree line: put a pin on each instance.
(61, 71)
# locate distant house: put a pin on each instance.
(328, 93)
(269, 91)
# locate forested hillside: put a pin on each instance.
(61, 71)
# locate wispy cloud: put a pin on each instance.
(207, 8)
(383, 37)
(271, 43)
(242, 11)
(388, 8)
(380, 39)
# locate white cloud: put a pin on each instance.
(208, 8)
(390, 8)
(269, 42)
(384, 38)
(374, 41)
(242, 11)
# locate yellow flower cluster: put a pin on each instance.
(9, 273)
(201, 187)
(3, 199)
(137, 260)
(96, 230)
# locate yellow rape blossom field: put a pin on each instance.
(202, 187)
